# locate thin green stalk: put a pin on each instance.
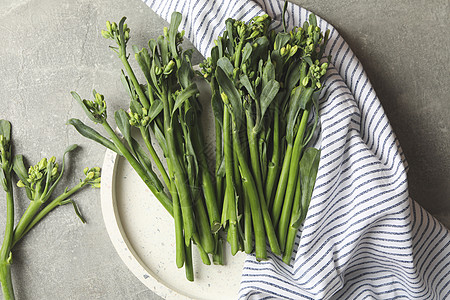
(248, 226)
(256, 167)
(249, 185)
(160, 195)
(9, 230)
(292, 181)
(178, 171)
(135, 82)
(218, 252)
(30, 220)
(26, 219)
(281, 188)
(189, 267)
(203, 226)
(203, 254)
(5, 252)
(239, 193)
(274, 165)
(292, 230)
(151, 149)
(230, 200)
(5, 279)
(219, 157)
(209, 191)
(178, 220)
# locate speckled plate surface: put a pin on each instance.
(143, 234)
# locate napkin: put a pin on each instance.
(363, 237)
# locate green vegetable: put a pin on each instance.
(39, 182)
(166, 107)
(269, 85)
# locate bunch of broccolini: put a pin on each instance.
(165, 107)
(264, 86)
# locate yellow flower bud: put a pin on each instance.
(20, 184)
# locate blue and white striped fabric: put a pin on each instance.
(363, 238)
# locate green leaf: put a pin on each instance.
(184, 95)
(143, 159)
(159, 135)
(281, 40)
(268, 73)
(185, 73)
(144, 61)
(229, 25)
(225, 64)
(248, 86)
(163, 49)
(75, 207)
(124, 126)
(260, 51)
(121, 32)
(155, 109)
(294, 110)
(268, 94)
(308, 60)
(127, 85)
(63, 166)
(215, 55)
(90, 133)
(306, 97)
(175, 22)
(312, 20)
(233, 95)
(191, 157)
(309, 166)
(278, 62)
(315, 102)
(216, 102)
(21, 172)
(136, 107)
(246, 52)
(293, 76)
(5, 129)
(86, 110)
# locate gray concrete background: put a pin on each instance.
(50, 47)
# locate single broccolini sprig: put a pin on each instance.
(40, 181)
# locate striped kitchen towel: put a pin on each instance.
(363, 237)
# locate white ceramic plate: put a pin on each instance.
(142, 232)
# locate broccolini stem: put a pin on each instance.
(32, 220)
(140, 92)
(5, 279)
(274, 165)
(248, 183)
(292, 181)
(281, 188)
(230, 202)
(292, 230)
(162, 170)
(256, 167)
(159, 194)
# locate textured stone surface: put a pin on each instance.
(50, 47)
